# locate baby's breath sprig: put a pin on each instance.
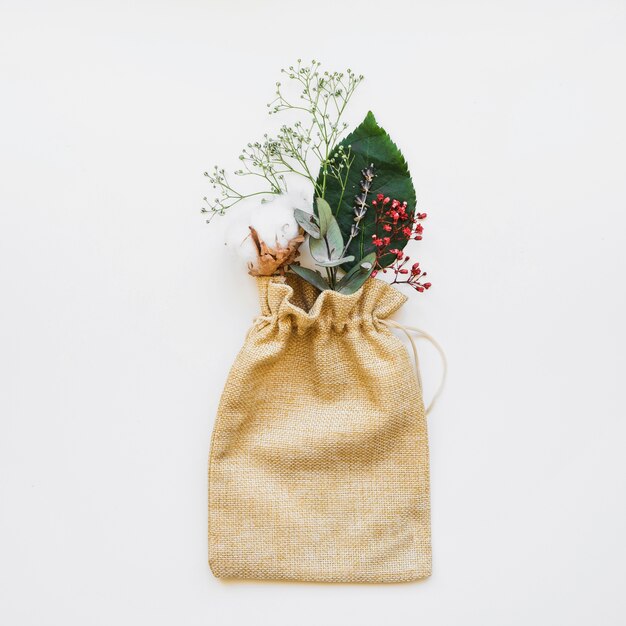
(228, 195)
(324, 97)
(302, 148)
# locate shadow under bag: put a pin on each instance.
(319, 457)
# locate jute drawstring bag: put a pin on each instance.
(319, 457)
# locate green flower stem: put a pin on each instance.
(298, 149)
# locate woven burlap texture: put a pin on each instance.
(319, 457)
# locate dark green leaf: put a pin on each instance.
(311, 276)
(370, 144)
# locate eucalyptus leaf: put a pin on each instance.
(330, 246)
(359, 273)
(334, 239)
(369, 144)
(311, 276)
(324, 215)
(336, 262)
(319, 250)
(308, 221)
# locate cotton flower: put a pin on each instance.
(274, 224)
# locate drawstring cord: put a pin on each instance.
(420, 333)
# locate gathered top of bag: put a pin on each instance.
(293, 302)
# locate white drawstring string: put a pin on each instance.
(425, 335)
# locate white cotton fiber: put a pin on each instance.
(273, 220)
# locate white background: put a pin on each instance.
(121, 311)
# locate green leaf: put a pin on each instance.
(334, 239)
(311, 276)
(330, 246)
(355, 278)
(369, 143)
(308, 221)
(336, 262)
(324, 215)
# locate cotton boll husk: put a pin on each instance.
(273, 220)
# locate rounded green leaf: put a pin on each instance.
(311, 276)
(324, 215)
(330, 246)
(336, 262)
(308, 222)
(355, 277)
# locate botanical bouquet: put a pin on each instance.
(364, 197)
(319, 457)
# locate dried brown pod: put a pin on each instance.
(274, 260)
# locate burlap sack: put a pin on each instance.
(319, 457)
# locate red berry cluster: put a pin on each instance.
(395, 223)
